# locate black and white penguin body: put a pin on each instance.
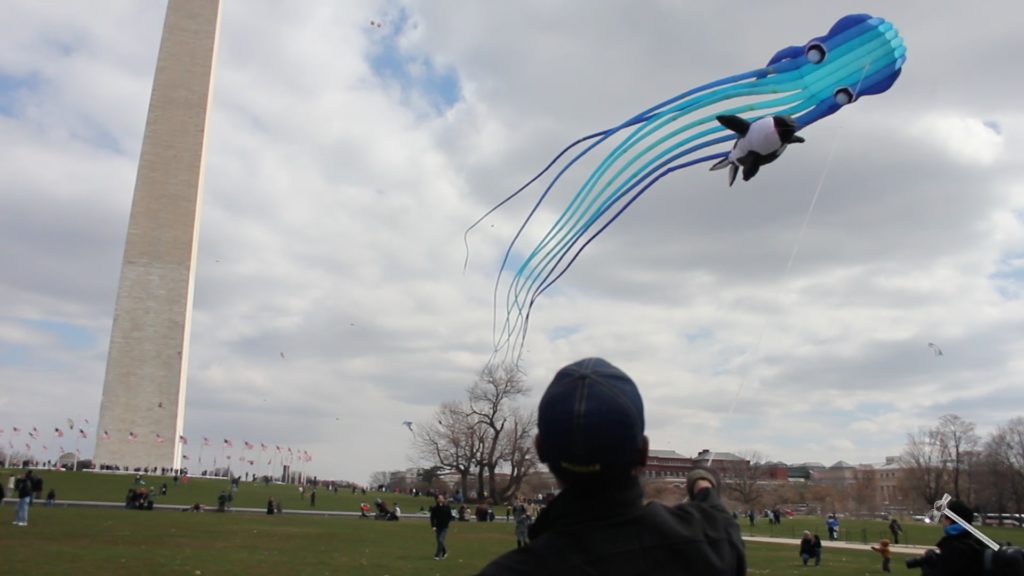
(758, 143)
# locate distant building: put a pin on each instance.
(888, 477)
(804, 472)
(775, 471)
(726, 464)
(839, 474)
(666, 464)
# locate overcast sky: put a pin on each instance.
(345, 160)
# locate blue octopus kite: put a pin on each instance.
(861, 55)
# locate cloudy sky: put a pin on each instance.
(345, 161)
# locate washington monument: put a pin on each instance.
(143, 406)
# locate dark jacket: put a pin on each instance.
(960, 554)
(602, 532)
(440, 516)
(807, 546)
(23, 487)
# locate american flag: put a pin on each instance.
(185, 457)
(81, 432)
(206, 441)
(106, 435)
(132, 436)
(228, 443)
(15, 430)
(263, 447)
(58, 432)
(248, 445)
(182, 439)
(34, 433)
(275, 446)
(159, 439)
(28, 446)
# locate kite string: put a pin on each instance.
(792, 255)
(800, 235)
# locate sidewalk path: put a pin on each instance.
(897, 548)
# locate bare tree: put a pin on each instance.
(380, 478)
(1008, 448)
(451, 442)
(747, 483)
(518, 451)
(958, 441)
(926, 467)
(993, 480)
(491, 400)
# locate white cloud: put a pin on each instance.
(334, 208)
(967, 140)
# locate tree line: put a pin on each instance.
(951, 457)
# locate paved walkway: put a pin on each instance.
(825, 545)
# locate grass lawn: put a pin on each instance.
(106, 541)
(86, 541)
(869, 531)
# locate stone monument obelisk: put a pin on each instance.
(143, 406)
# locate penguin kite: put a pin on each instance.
(758, 143)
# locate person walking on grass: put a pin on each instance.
(591, 436)
(440, 518)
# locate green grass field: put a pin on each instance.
(86, 541)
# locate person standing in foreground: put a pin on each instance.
(960, 551)
(440, 518)
(23, 489)
(591, 436)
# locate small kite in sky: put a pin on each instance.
(935, 349)
(408, 425)
(860, 55)
(282, 356)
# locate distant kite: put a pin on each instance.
(282, 356)
(935, 349)
(724, 120)
(408, 425)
